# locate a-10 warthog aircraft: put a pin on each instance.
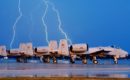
(53, 50)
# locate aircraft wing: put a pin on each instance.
(98, 52)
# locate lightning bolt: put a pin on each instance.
(60, 23)
(58, 18)
(14, 26)
(43, 21)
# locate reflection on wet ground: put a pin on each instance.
(13, 69)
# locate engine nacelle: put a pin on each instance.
(79, 48)
(42, 49)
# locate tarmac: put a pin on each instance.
(64, 70)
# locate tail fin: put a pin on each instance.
(53, 46)
(3, 51)
(22, 47)
(29, 49)
(26, 48)
(63, 47)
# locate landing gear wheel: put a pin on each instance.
(116, 62)
(95, 61)
(72, 60)
(45, 59)
(84, 61)
(48, 59)
(54, 60)
(42, 59)
(22, 59)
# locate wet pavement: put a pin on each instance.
(64, 69)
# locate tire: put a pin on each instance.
(22, 59)
(54, 60)
(84, 61)
(95, 61)
(45, 59)
(115, 62)
(48, 59)
(42, 59)
(72, 60)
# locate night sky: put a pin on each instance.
(96, 22)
